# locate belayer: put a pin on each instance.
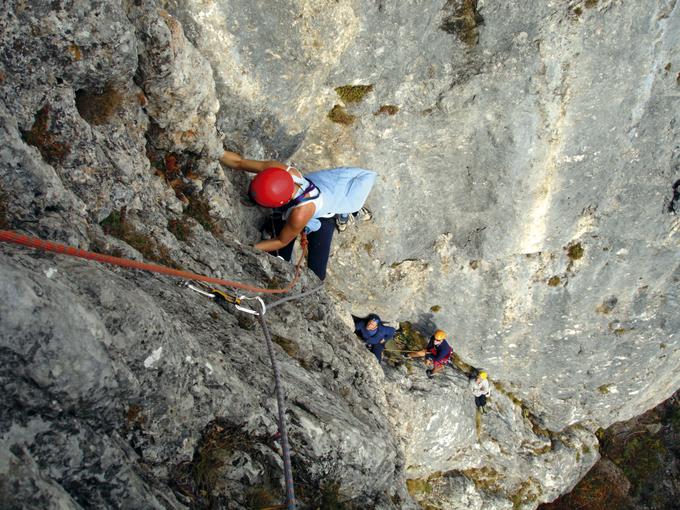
(374, 334)
(437, 353)
(306, 203)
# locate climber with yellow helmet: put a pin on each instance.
(481, 390)
(436, 354)
(305, 203)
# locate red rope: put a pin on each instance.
(8, 236)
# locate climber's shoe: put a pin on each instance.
(342, 221)
(429, 373)
(364, 215)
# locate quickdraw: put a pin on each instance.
(225, 299)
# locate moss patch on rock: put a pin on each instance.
(485, 478)
(554, 281)
(200, 480)
(117, 225)
(98, 107)
(574, 251)
(44, 139)
(463, 21)
(353, 93)
(407, 338)
(180, 228)
(199, 209)
(339, 115)
(387, 109)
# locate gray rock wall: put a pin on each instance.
(525, 154)
(524, 180)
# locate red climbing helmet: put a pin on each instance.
(272, 187)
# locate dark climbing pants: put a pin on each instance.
(376, 349)
(480, 401)
(319, 246)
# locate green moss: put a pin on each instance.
(97, 107)
(407, 338)
(180, 228)
(369, 247)
(590, 3)
(116, 225)
(461, 365)
(113, 224)
(340, 116)
(353, 93)
(288, 345)
(536, 426)
(474, 264)
(598, 490)
(199, 209)
(435, 308)
(618, 329)
(574, 251)
(528, 492)
(330, 497)
(577, 10)
(418, 486)
(642, 460)
(485, 478)
(554, 281)
(42, 138)
(464, 22)
(674, 419)
(387, 109)
(604, 389)
(200, 479)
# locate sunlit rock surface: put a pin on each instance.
(526, 153)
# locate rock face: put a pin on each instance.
(526, 155)
(639, 465)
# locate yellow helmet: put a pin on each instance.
(439, 335)
(482, 374)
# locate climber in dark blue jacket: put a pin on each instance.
(374, 334)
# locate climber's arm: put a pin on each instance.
(237, 162)
(296, 222)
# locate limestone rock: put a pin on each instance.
(525, 155)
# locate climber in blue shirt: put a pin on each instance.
(374, 334)
(306, 203)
